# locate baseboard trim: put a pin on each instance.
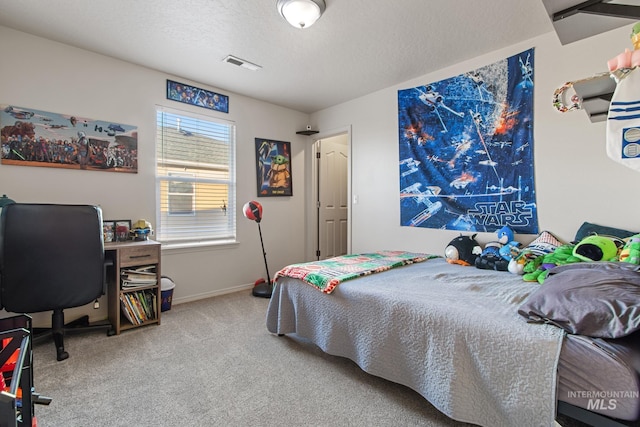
(215, 293)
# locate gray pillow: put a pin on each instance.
(596, 299)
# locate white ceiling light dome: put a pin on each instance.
(301, 13)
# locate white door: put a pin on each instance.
(332, 157)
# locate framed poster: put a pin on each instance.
(192, 95)
(41, 138)
(273, 168)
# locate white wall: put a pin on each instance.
(575, 180)
(44, 75)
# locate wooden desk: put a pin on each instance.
(143, 300)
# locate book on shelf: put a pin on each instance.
(143, 276)
(127, 311)
(136, 309)
(147, 269)
(152, 298)
(139, 272)
(147, 299)
(137, 283)
(142, 304)
(139, 306)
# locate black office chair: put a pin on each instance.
(51, 258)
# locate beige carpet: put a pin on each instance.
(213, 363)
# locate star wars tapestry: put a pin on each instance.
(466, 150)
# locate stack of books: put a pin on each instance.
(143, 276)
(139, 306)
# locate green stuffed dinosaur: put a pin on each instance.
(537, 269)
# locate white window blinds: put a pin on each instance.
(195, 176)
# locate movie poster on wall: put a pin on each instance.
(39, 138)
(273, 168)
(466, 150)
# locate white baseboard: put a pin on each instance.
(218, 292)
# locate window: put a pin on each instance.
(195, 177)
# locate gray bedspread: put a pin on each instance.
(451, 333)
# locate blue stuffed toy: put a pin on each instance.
(497, 254)
(510, 248)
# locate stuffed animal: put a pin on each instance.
(490, 258)
(538, 268)
(510, 248)
(494, 256)
(545, 243)
(518, 263)
(628, 59)
(631, 250)
(596, 248)
(463, 250)
(591, 248)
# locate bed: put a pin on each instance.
(454, 335)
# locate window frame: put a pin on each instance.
(216, 234)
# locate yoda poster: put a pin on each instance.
(273, 168)
(466, 150)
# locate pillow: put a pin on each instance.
(596, 299)
(588, 229)
(545, 243)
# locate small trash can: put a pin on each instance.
(166, 291)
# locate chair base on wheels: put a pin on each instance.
(59, 328)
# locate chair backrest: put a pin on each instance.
(51, 256)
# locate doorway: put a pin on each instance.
(331, 156)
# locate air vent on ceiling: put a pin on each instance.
(241, 63)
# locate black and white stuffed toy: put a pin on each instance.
(463, 250)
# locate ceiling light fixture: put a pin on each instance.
(301, 13)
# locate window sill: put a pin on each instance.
(198, 246)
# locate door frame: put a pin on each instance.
(312, 211)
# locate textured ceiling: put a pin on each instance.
(357, 47)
